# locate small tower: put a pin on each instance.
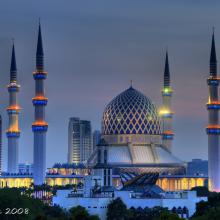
(13, 132)
(39, 126)
(213, 128)
(165, 112)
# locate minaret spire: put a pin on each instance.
(13, 69)
(213, 60)
(165, 112)
(213, 128)
(39, 52)
(166, 72)
(39, 126)
(13, 132)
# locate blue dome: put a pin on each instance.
(130, 112)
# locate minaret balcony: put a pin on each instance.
(213, 105)
(166, 113)
(40, 75)
(167, 91)
(13, 87)
(39, 126)
(13, 109)
(167, 135)
(39, 100)
(213, 129)
(11, 133)
(213, 81)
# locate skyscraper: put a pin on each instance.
(39, 127)
(96, 137)
(213, 129)
(166, 113)
(13, 132)
(79, 140)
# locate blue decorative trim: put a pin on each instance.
(167, 93)
(12, 111)
(40, 76)
(213, 106)
(168, 115)
(213, 82)
(36, 128)
(167, 136)
(39, 102)
(213, 130)
(13, 89)
(13, 134)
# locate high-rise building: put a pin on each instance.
(39, 126)
(197, 167)
(166, 113)
(96, 137)
(25, 168)
(213, 128)
(13, 132)
(79, 140)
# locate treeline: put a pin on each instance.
(17, 205)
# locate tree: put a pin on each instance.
(201, 190)
(201, 208)
(79, 212)
(33, 209)
(117, 210)
(55, 212)
(166, 215)
(209, 209)
(210, 214)
(11, 198)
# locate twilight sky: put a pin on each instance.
(92, 51)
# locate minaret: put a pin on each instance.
(39, 127)
(13, 132)
(165, 112)
(213, 129)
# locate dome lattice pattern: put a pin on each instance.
(130, 112)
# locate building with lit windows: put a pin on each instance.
(25, 168)
(79, 140)
(197, 167)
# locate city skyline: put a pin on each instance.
(122, 46)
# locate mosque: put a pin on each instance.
(132, 137)
(136, 137)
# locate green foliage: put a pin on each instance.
(166, 215)
(209, 210)
(201, 191)
(212, 213)
(79, 212)
(12, 198)
(117, 210)
(34, 208)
